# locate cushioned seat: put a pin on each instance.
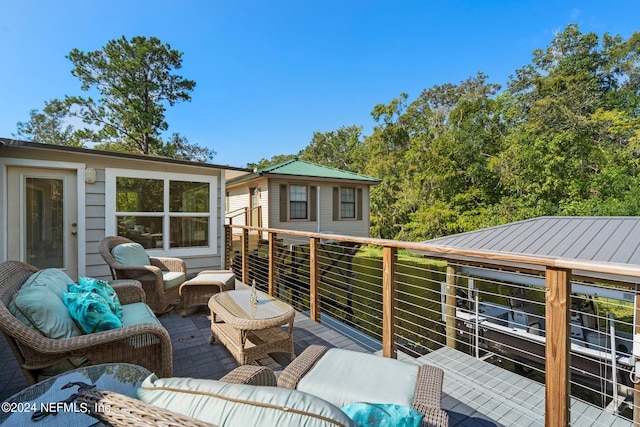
(161, 277)
(45, 340)
(344, 377)
(240, 405)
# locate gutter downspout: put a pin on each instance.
(318, 206)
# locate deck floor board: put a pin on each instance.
(479, 393)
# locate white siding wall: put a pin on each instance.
(239, 199)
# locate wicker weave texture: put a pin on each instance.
(147, 345)
(249, 339)
(197, 291)
(158, 298)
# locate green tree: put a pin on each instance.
(135, 81)
(575, 131)
(340, 149)
(50, 126)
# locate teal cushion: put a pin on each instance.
(240, 405)
(91, 311)
(136, 313)
(130, 254)
(172, 279)
(383, 415)
(41, 310)
(102, 288)
(52, 278)
(343, 377)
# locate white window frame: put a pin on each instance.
(308, 218)
(111, 215)
(355, 204)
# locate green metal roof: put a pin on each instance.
(303, 168)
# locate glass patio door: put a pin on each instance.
(42, 218)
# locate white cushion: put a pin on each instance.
(240, 405)
(343, 377)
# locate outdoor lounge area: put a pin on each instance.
(347, 305)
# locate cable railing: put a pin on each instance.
(535, 320)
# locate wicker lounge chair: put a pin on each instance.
(158, 298)
(145, 344)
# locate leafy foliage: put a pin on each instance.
(561, 139)
(135, 80)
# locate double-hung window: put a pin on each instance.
(347, 203)
(174, 212)
(298, 202)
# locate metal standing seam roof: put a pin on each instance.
(296, 167)
(608, 239)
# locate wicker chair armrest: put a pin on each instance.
(169, 264)
(82, 344)
(434, 417)
(115, 409)
(298, 368)
(428, 388)
(134, 271)
(252, 375)
(129, 293)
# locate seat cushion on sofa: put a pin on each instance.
(240, 405)
(130, 254)
(343, 377)
(52, 278)
(172, 279)
(136, 313)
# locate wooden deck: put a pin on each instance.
(476, 393)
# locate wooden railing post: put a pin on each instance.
(557, 372)
(450, 306)
(272, 264)
(314, 279)
(245, 256)
(389, 257)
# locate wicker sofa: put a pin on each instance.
(183, 401)
(147, 344)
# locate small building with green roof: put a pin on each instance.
(302, 196)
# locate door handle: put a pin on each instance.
(74, 228)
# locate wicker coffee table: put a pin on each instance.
(251, 331)
(197, 291)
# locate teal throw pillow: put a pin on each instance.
(130, 254)
(52, 278)
(91, 311)
(383, 415)
(102, 288)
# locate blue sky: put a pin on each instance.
(271, 73)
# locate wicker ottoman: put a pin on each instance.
(197, 291)
(343, 376)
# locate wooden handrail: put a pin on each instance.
(442, 252)
(558, 273)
